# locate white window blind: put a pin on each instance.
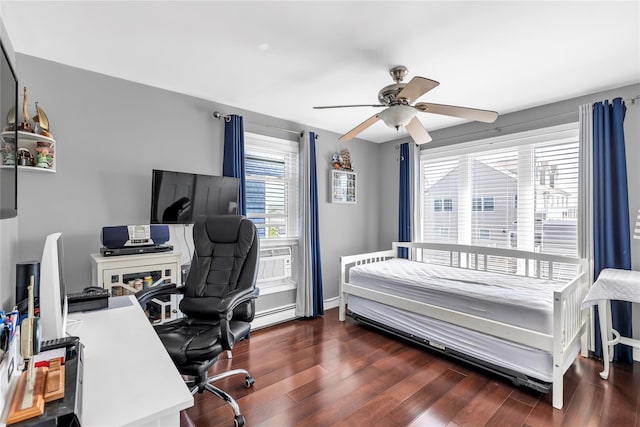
(518, 191)
(271, 171)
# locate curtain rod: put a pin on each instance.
(227, 118)
(500, 128)
(633, 99)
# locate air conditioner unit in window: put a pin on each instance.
(275, 264)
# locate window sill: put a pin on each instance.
(282, 241)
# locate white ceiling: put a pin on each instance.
(282, 58)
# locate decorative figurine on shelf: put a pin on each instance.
(8, 156)
(43, 158)
(335, 160)
(345, 160)
(25, 126)
(25, 158)
(41, 122)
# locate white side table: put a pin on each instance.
(612, 284)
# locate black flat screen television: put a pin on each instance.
(180, 198)
(8, 138)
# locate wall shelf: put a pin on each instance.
(30, 141)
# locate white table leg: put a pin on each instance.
(604, 334)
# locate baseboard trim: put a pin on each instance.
(274, 316)
(266, 318)
(331, 303)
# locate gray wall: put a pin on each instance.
(110, 133)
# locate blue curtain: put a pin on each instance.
(611, 234)
(233, 159)
(314, 241)
(404, 212)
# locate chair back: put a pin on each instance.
(225, 260)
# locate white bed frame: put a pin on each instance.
(569, 321)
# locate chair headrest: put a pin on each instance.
(223, 228)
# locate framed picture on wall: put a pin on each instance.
(343, 187)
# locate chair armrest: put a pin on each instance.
(225, 309)
(235, 298)
(146, 295)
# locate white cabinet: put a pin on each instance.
(127, 274)
(41, 150)
(343, 186)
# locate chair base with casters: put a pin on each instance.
(192, 357)
(197, 386)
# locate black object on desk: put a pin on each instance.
(65, 412)
(92, 298)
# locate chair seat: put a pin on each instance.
(190, 340)
(194, 344)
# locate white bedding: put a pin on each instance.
(520, 358)
(517, 300)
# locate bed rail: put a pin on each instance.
(531, 264)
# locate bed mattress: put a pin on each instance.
(516, 357)
(516, 300)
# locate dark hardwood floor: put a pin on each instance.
(324, 372)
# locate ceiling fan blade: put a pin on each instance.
(486, 116)
(362, 126)
(417, 87)
(347, 106)
(417, 131)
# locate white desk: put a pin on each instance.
(612, 284)
(129, 378)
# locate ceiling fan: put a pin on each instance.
(399, 111)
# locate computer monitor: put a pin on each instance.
(53, 296)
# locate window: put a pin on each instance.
(483, 204)
(513, 191)
(443, 205)
(271, 191)
(441, 233)
(488, 204)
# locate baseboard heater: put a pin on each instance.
(274, 316)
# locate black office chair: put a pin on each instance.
(218, 303)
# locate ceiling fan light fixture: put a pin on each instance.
(398, 115)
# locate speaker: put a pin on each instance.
(24, 271)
